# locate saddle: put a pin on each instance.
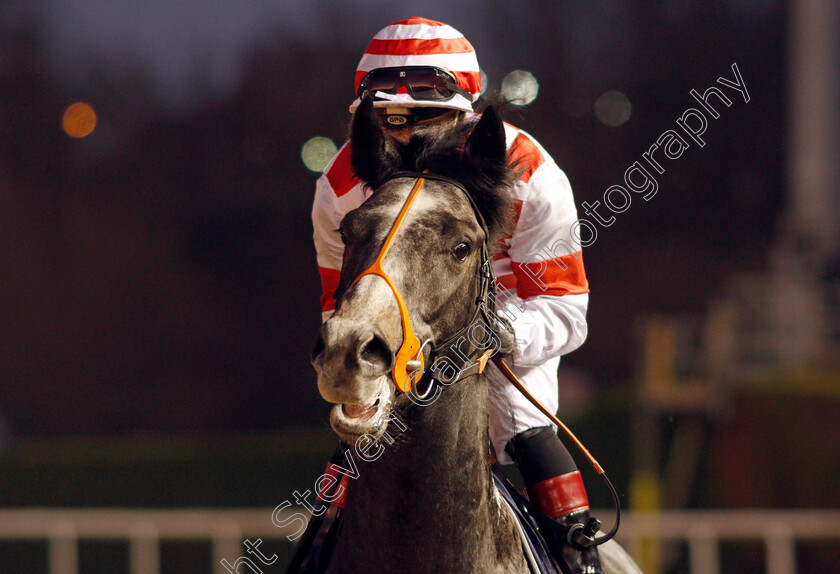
(314, 550)
(534, 546)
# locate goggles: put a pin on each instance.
(421, 82)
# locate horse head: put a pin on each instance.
(434, 261)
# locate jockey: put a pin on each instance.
(423, 72)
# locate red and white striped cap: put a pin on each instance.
(423, 42)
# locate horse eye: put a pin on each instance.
(461, 251)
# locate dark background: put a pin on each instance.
(158, 285)
(158, 275)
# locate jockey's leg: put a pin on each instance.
(522, 434)
(555, 487)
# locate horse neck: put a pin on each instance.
(429, 499)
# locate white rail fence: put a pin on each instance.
(226, 529)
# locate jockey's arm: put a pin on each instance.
(326, 218)
(546, 259)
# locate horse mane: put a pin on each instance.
(472, 152)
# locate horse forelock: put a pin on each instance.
(441, 151)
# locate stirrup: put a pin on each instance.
(570, 539)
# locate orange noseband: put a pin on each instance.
(410, 350)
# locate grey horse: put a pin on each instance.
(422, 498)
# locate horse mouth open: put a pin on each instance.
(350, 421)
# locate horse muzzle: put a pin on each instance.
(349, 358)
(353, 362)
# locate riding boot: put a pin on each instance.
(556, 489)
(567, 526)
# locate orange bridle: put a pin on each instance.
(409, 358)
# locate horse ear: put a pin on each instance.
(370, 150)
(485, 155)
(485, 149)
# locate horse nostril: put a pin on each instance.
(316, 356)
(376, 353)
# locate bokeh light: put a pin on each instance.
(485, 81)
(317, 153)
(520, 87)
(79, 120)
(613, 108)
